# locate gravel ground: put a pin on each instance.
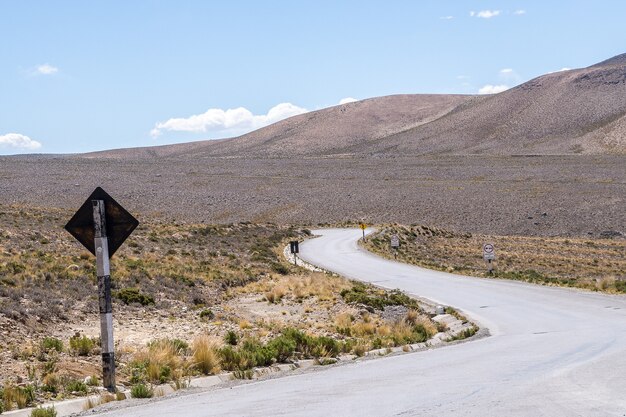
(580, 195)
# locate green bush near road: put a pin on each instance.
(132, 295)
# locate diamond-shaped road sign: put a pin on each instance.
(119, 223)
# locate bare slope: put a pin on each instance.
(567, 112)
(577, 111)
(323, 132)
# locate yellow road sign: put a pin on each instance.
(363, 226)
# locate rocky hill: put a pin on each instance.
(580, 111)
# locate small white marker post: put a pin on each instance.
(489, 254)
(395, 244)
(104, 295)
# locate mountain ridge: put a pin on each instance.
(578, 111)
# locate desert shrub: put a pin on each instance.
(359, 349)
(405, 333)
(176, 345)
(51, 383)
(411, 316)
(326, 347)
(231, 338)
(141, 391)
(159, 362)
(75, 386)
(81, 345)
(50, 363)
(275, 295)
(343, 323)
(304, 342)
(377, 299)
(22, 397)
(250, 353)
(282, 348)
(93, 381)
(279, 268)
(529, 275)
(30, 392)
(132, 295)
(311, 346)
(207, 314)
(44, 412)
(233, 360)
(52, 343)
(243, 374)
(620, 285)
(469, 332)
(206, 357)
(259, 354)
(138, 372)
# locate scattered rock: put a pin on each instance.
(610, 234)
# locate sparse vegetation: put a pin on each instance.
(76, 387)
(574, 262)
(141, 391)
(376, 298)
(44, 412)
(81, 345)
(133, 295)
(207, 314)
(207, 280)
(205, 355)
(52, 343)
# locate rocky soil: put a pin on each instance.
(580, 195)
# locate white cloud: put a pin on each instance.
(347, 100)
(506, 71)
(46, 69)
(446, 17)
(562, 69)
(231, 121)
(492, 89)
(485, 14)
(18, 142)
(519, 12)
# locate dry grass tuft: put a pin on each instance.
(275, 295)
(206, 357)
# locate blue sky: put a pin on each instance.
(78, 76)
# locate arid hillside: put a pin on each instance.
(581, 111)
(546, 158)
(323, 132)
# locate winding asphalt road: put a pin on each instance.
(552, 352)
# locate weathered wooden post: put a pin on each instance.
(101, 243)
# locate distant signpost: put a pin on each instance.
(395, 244)
(363, 226)
(489, 254)
(101, 224)
(294, 249)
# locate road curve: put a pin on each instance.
(553, 352)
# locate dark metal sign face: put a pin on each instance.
(119, 223)
(294, 246)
